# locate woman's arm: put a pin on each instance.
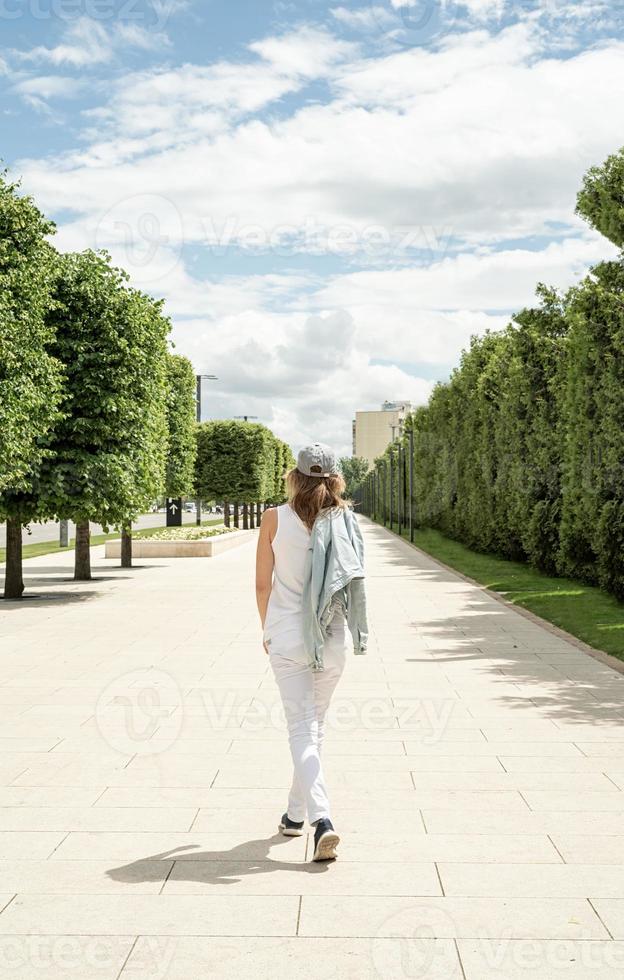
(264, 562)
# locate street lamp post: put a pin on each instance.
(198, 401)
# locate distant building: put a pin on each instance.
(374, 431)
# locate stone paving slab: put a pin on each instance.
(143, 768)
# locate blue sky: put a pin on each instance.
(331, 197)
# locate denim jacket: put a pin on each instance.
(334, 579)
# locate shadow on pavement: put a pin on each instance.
(529, 656)
(46, 599)
(213, 867)
(37, 580)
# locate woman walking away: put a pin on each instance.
(310, 593)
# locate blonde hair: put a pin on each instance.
(309, 495)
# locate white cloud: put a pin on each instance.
(179, 106)
(500, 280)
(472, 146)
(486, 139)
(85, 43)
(136, 36)
(44, 87)
(308, 52)
(303, 376)
(363, 18)
(88, 43)
(486, 9)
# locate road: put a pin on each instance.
(50, 530)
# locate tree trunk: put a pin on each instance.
(246, 517)
(226, 513)
(252, 522)
(236, 515)
(258, 513)
(82, 567)
(13, 582)
(126, 546)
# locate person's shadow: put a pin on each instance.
(213, 867)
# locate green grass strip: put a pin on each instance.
(585, 611)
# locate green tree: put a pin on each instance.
(354, 470)
(592, 529)
(531, 434)
(181, 420)
(108, 451)
(30, 376)
(216, 465)
(601, 199)
(235, 461)
(283, 462)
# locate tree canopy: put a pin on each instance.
(107, 453)
(30, 376)
(238, 461)
(353, 469)
(181, 425)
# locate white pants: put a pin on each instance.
(306, 695)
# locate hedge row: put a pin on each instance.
(521, 453)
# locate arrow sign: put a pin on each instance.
(174, 512)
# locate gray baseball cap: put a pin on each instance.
(317, 460)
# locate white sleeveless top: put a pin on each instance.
(283, 628)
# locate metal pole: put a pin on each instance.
(374, 510)
(399, 490)
(391, 491)
(373, 495)
(411, 485)
(198, 395)
(385, 488)
(63, 534)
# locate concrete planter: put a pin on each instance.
(203, 548)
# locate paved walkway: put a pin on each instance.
(476, 763)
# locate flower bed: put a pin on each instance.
(181, 542)
(181, 533)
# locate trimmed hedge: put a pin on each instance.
(242, 461)
(521, 453)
